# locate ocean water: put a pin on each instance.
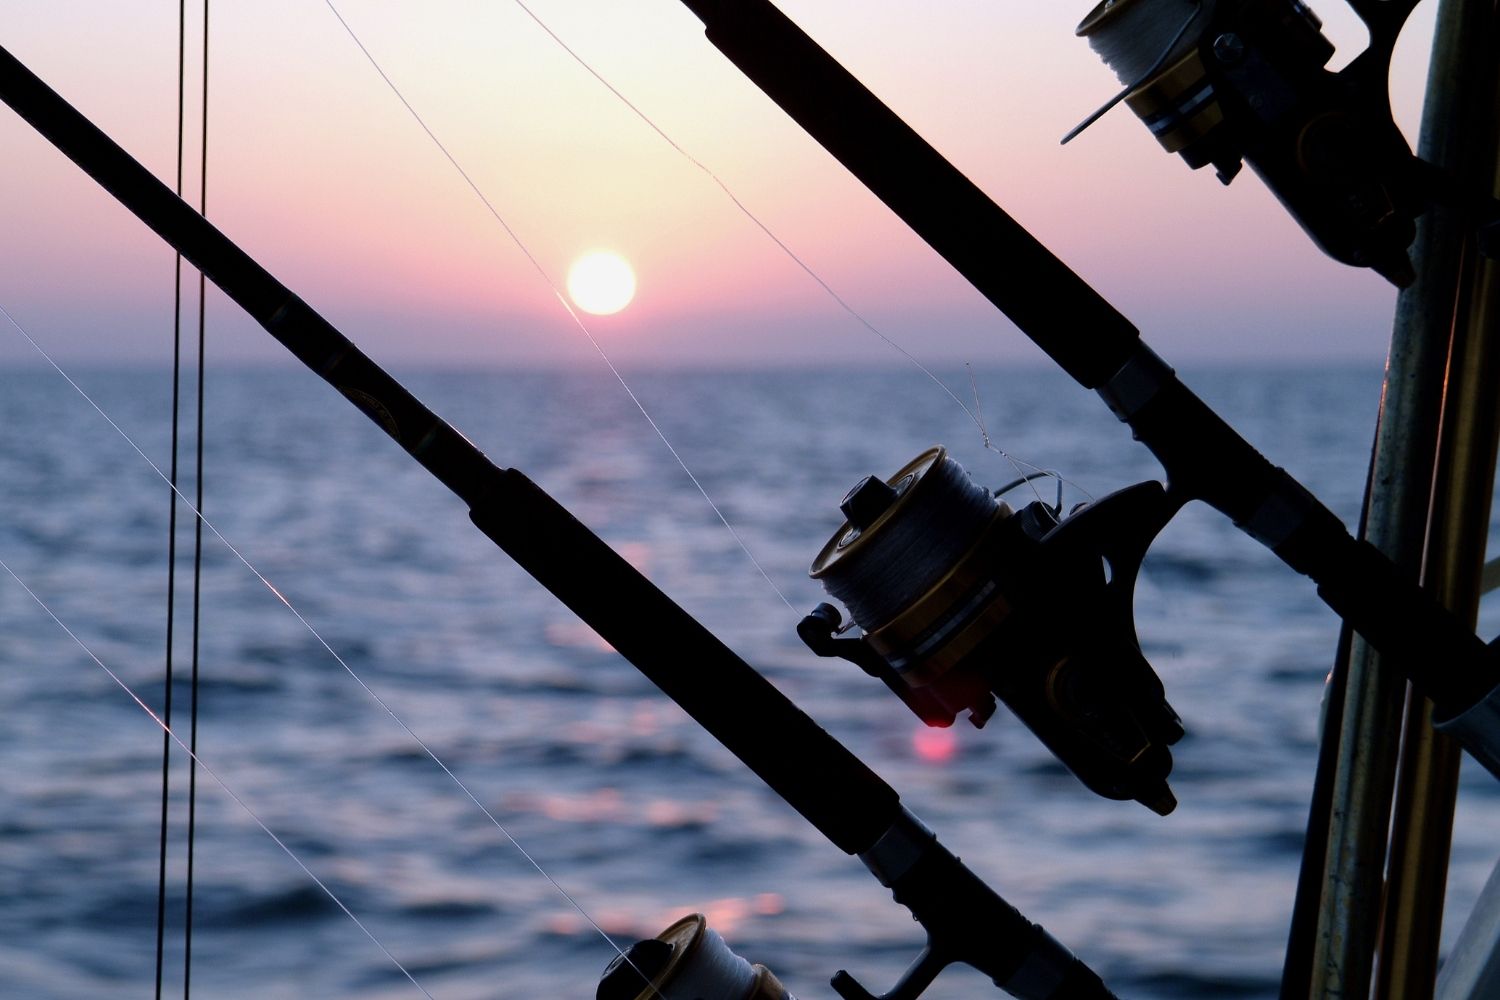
(610, 789)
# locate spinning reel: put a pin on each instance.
(961, 599)
(1225, 82)
(687, 959)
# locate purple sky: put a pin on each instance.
(316, 168)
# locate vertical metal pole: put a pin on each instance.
(1427, 788)
(1422, 409)
(1335, 959)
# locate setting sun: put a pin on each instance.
(601, 283)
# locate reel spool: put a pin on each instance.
(912, 567)
(1227, 82)
(961, 599)
(687, 961)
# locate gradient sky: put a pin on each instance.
(318, 170)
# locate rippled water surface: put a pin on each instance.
(611, 789)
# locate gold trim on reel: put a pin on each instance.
(687, 960)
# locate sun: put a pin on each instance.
(601, 282)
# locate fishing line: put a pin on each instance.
(562, 298)
(174, 738)
(192, 830)
(202, 521)
(192, 805)
(316, 635)
(1054, 512)
(166, 741)
(766, 229)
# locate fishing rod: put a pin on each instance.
(966, 921)
(1204, 458)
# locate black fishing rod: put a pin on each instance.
(1204, 458)
(834, 790)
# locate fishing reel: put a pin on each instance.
(1226, 82)
(687, 960)
(961, 599)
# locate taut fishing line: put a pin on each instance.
(192, 829)
(1020, 466)
(807, 268)
(563, 299)
(171, 638)
(285, 601)
(197, 589)
(198, 761)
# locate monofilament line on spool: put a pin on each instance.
(1136, 38)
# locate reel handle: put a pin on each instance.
(911, 985)
(966, 921)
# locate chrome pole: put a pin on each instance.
(1427, 785)
(1426, 436)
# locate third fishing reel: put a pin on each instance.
(961, 599)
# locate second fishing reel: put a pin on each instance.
(1226, 82)
(961, 599)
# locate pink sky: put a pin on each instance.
(318, 170)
